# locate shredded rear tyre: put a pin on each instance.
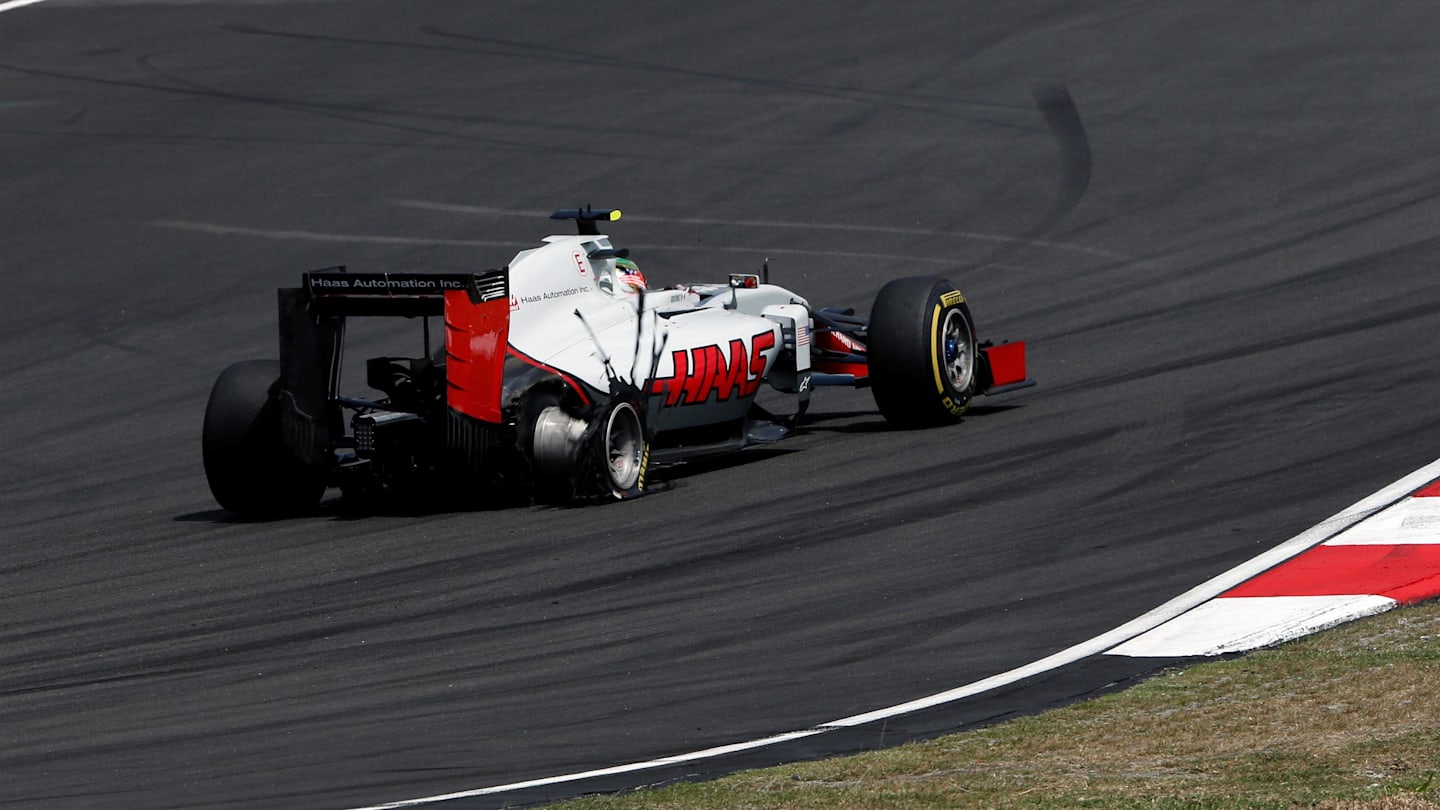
(615, 451)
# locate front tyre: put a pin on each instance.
(250, 471)
(922, 352)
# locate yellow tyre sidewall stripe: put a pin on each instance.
(935, 350)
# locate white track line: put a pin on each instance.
(356, 238)
(14, 4)
(708, 753)
(1187, 601)
(425, 205)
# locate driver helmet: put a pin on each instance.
(628, 277)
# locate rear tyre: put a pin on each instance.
(250, 471)
(615, 452)
(922, 352)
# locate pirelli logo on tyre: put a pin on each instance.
(952, 298)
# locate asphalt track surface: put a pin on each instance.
(1227, 282)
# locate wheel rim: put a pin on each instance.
(624, 446)
(959, 351)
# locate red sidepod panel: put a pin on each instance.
(476, 338)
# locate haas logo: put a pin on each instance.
(701, 371)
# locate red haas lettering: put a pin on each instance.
(706, 370)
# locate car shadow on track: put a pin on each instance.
(873, 422)
(663, 477)
(209, 516)
(335, 507)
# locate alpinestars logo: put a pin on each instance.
(707, 370)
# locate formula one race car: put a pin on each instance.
(563, 377)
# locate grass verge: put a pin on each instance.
(1348, 718)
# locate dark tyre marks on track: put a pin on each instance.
(1234, 328)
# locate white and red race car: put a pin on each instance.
(563, 377)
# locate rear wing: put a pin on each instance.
(312, 333)
(335, 292)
